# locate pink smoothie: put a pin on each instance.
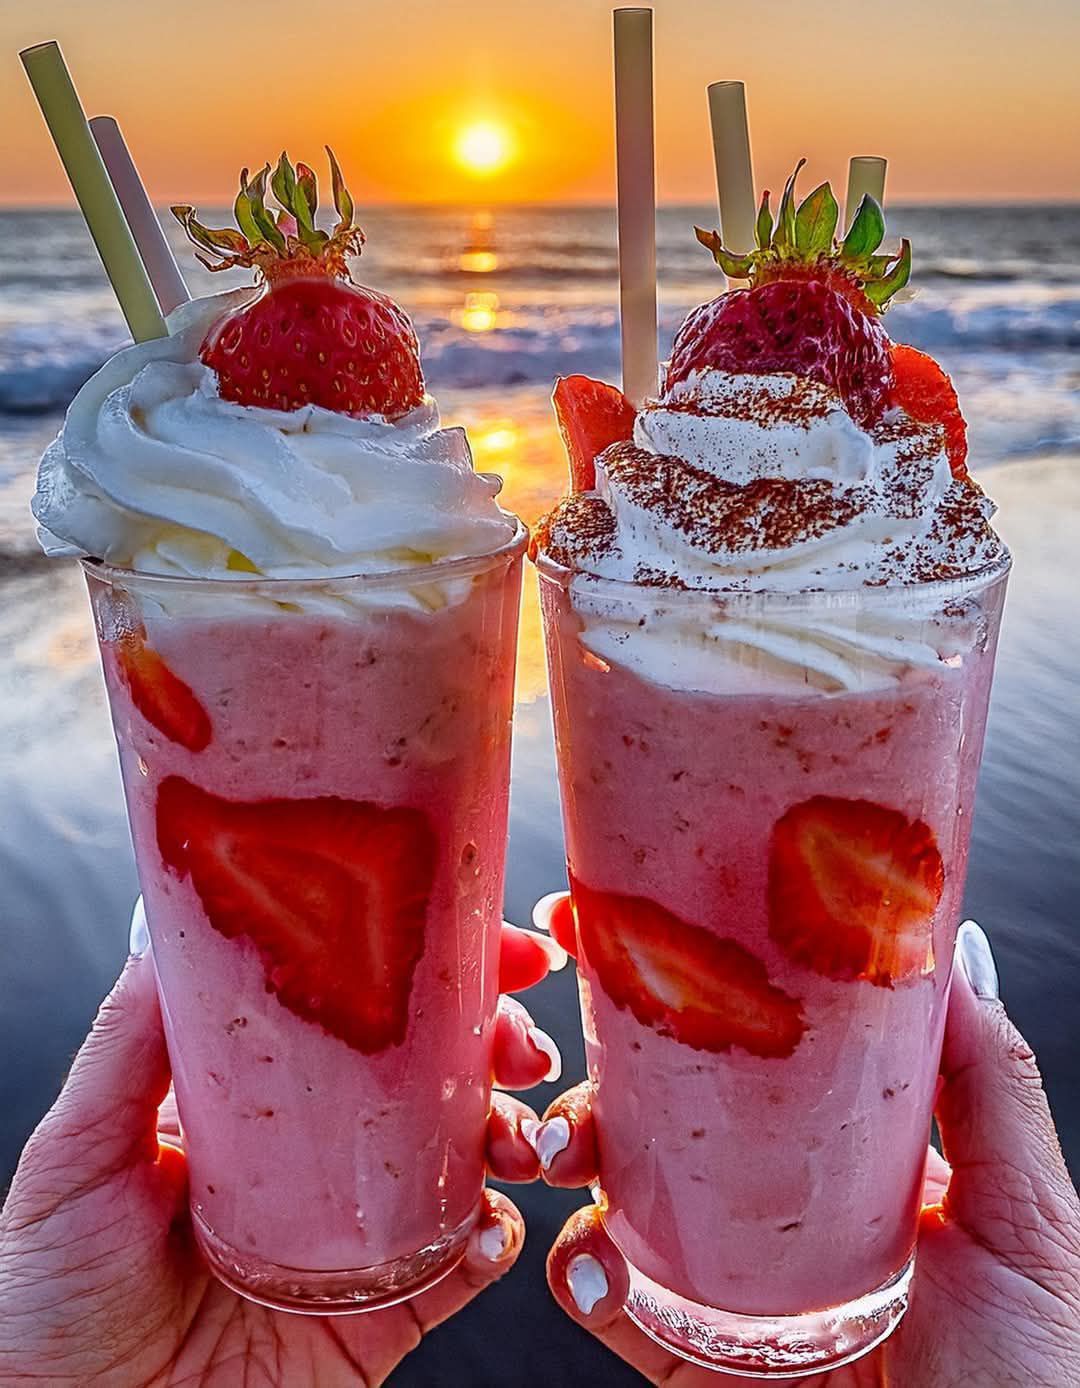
(760, 1185)
(306, 1153)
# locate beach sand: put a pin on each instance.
(67, 882)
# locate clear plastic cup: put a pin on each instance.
(317, 775)
(767, 802)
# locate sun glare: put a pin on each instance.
(484, 148)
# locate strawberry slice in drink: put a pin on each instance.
(333, 894)
(923, 390)
(591, 416)
(853, 887)
(161, 697)
(682, 980)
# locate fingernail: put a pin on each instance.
(557, 956)
(139, 935)
(551, 1138)
(587, 1280)
(546, 1046)
(544, 909)
(977, 961)
(494, 1241)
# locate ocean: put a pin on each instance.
(503, 302)
(510, 299)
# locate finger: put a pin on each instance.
(523, 1054)
(510, 1156)
(526, 957)
(168, 1122)
(493, 1247)
(105, 1119)
(588, 1278)
(936, 1177)
(1009, 1187)
(555, 914)
(565, 1142)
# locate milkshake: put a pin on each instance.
(306, 602)
(771, 603)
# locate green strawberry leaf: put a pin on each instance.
(265, 223)
(283, 183)
(736, 267)
(815, 223)
(866, 233)
(784, 238)
(308, 187)
(342, 201)
(764, 225)
(242, 211)
(879, 292)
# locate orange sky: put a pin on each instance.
(971, 99)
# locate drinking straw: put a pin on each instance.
(734, 171)
(66, 120)
(866, 174)
(156, 253)
(636, 178)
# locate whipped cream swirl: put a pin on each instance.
(744, 483)
(154, 471)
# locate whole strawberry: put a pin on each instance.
(813, 306)
(312, 337)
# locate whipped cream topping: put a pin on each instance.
(154, 471)
(744, 483)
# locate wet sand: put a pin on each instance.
(67, 882)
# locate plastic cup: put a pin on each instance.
(316, 775)
(767, 815)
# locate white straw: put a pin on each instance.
(636, 171)
(734, 171)
(866, 174)
(154, 249)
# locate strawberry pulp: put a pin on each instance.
(768, 885)
(324, 883)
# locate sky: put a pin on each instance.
(969, 99)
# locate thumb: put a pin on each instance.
(1009, 1187)
(105, 1119)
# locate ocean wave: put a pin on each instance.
(41, 368)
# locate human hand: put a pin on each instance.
(101, 1285)
(996, 1295)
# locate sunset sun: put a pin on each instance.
(484, 148)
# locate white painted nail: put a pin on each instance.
(976, 958)
(587, 1280)
(139, 935)
(552, 1138)
(557, 956)
(528, 1128)
(546, 1046)
(542, 911)
(494, 1241)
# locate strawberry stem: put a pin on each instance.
(806, 235)
(285, 243)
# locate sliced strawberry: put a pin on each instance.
(591, 416)
(681, 980)
(923, 390)
(333, 893)
(853, 888)
(161, 697)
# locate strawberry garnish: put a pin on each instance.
(682, 980)
(813, 306)
(312, 337)
(591, 415)
(333, 894)
(853, 887)
(923, 390)
(161, 697)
